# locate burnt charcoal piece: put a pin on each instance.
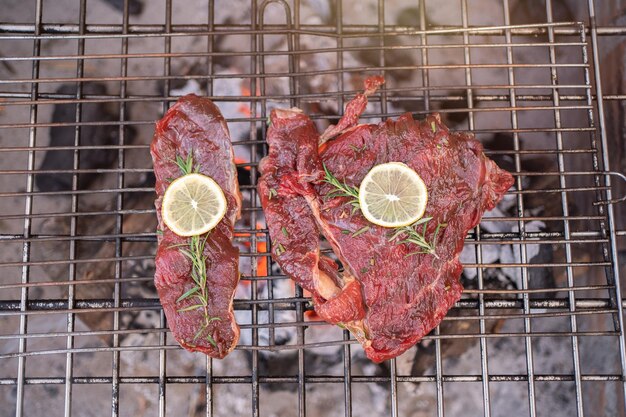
(524, 12)
(100, 135)
(135, 7)
(274, 364)
(541, 277)
(393, 57)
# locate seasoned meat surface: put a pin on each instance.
(389, 295)
(195, 126)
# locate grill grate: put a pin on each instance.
(542, 270)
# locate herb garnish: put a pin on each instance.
(342, 189)
(195, 252)
(280, 249)
(360, 231)
(410, 232)
(413, 236)
(358, 149)
(186, 165)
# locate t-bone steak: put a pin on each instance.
(388, 295)
(194, 126)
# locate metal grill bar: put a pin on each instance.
(313, 379)
(576, 300)
(51, 31)
(611, 216)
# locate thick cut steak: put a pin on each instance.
(389, 296)
(195, 126)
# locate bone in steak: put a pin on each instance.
(388, 296)
(195, 125)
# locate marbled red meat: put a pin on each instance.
(388, 296)
(195, 125)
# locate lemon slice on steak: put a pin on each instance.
(192, 205)
(392, 195)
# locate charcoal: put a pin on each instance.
(524, 12)
(100, 135)
(135, 7)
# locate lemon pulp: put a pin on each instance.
(192, 205)
(392, 195)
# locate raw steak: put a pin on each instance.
(195, 125)
(388, 296)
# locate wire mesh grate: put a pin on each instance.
(81, 324)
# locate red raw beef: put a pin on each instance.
(388, 296)
(195, 125)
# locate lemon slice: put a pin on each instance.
(392, 195)
(192, 205)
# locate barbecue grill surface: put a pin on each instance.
(539, 329)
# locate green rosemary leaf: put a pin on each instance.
(177, 245)
(280, 249)
(186, 165)
(159, 232)
(358, 149)
(189, 308)
(345, 232)
(188, 294)
(272, 193)
(203, 301)
(188, 254)
(189, 163)
(419, 252)
(211, 340)
(361, 231)
(198, 333)
(181, 165)
(418, 239)
(422, 221)
(433, 126)
(284, 230)
(342, 189)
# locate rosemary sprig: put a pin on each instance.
(342, 189)
(417, 238)
(360, 231)
(195, 253)
(194, 250)
(358, 149)
(186, 165)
